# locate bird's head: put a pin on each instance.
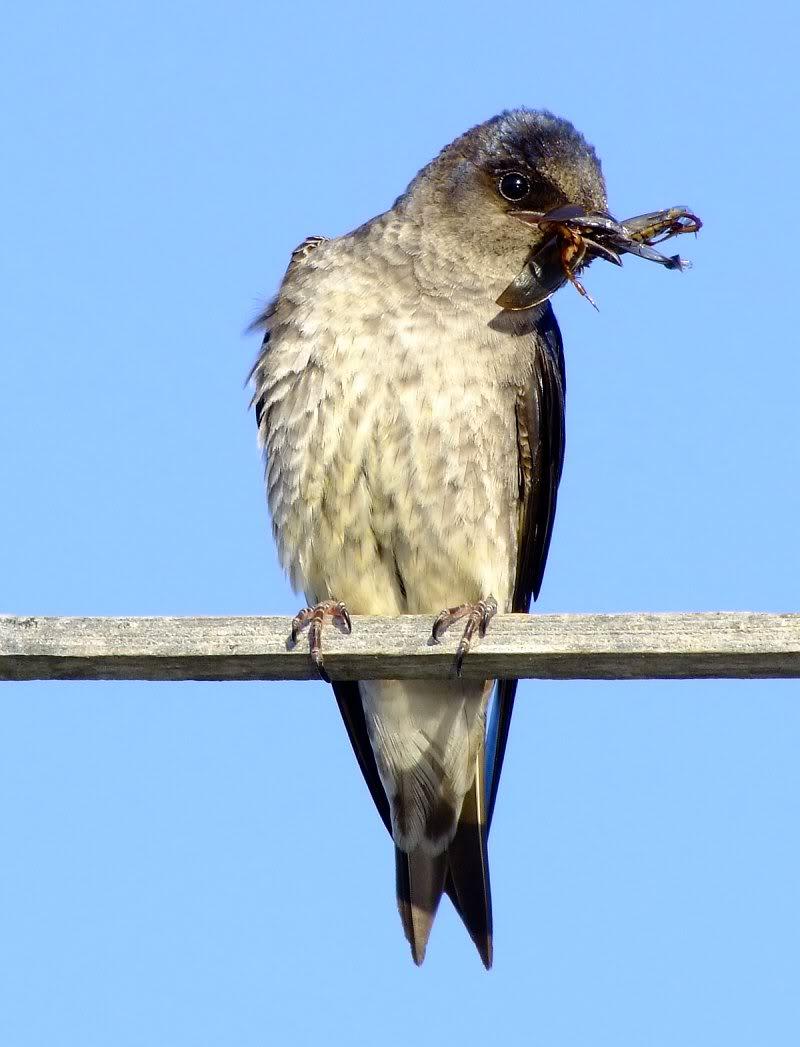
(468, 200)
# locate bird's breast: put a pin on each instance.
(391, 462)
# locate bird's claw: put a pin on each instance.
(478, 616)
(313, 617)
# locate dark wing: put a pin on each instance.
(348, 698)
(540, 454)
(540, 443)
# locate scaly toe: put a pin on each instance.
(443, 620)
(299, 621)
(314, 617)
(478, 616)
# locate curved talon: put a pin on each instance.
(478, 616)
(314, 618)
(299, 621)
(442, 620)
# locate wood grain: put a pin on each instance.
(579, 647)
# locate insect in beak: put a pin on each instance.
(573, 237)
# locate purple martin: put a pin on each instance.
(413, 431)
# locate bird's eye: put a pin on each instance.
(514, 186)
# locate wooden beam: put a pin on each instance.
(559, 647)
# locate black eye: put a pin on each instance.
(514, 186)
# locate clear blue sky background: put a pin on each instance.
(200, 864)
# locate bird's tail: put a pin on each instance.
(420, 883)
(462, 870)
(467, 882)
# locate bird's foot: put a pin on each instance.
(313, 617)
(478, 616)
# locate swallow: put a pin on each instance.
(410, 400)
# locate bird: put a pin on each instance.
(413, 436)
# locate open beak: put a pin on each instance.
(589, 235)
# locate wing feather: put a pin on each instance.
(540, 445)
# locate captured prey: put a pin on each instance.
(575, 238)
(413, 430)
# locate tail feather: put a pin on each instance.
(462, 870)
(467, 881)
(420, 883)
(428, 748)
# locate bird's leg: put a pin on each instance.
(573, 250)
(478, 616)
(313, 617)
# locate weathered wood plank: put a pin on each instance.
(589, 647)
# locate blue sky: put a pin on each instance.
(200, 864)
